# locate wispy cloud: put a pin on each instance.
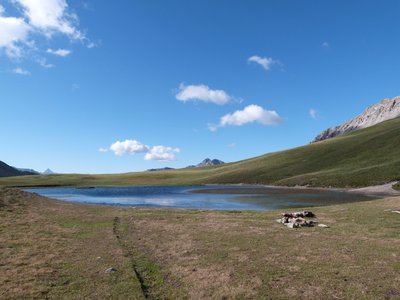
(43, 62)
(104, 150)
(20, 71)
(202, 93)
(162, 153)
(313, 113)
(325, 45)
(59, 52)
(250, 114)
(265, 62)
(91, 45)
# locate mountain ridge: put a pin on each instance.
(388, 108)
(9, 171)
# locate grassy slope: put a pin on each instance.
(365, 157)
(57, 250)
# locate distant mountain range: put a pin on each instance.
(160, 169)
(27, 170)
(7, 171)
(385, 110)
(205, 163)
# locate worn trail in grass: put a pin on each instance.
(60, 250)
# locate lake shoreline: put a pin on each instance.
(384, 189)
(222, 197)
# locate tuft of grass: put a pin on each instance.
(361, 158)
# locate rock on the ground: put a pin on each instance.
(323, 226)
(292, 225)
(110, 270)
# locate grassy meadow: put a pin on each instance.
(362, 158)
(52, 249)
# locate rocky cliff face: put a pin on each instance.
(377, 113)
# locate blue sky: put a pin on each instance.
(169, 83)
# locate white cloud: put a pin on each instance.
(265, 62)
(162, 153)
(128, 147)
(251, 113)
(21, 71)
(35, 18)
(13, 34)
(202, 93)
(313, 113)
(59, 52)
(50, 17)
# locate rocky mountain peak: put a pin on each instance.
(210, 162)
(385, 110)
(48, 172)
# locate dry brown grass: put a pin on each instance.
(53, 249)
(247, 255)
(50, 249)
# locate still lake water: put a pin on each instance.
(201, 197)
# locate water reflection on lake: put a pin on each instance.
(202, 197)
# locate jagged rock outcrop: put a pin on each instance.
(385, 110)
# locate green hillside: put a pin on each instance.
(365, 157)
